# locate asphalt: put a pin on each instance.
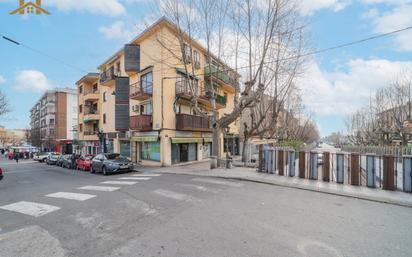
(188, 215)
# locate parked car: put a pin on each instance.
(41, 157)
(67, 161)
(110, 163)
(60, 160)
(52, 158)
(1, 174)
(84, 162)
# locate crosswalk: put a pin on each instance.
(207, 185)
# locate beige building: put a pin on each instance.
(144, 99)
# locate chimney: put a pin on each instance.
(21, 4)
(38, 3)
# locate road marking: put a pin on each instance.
(217, 182)
(134, 178)
(146, 175)
(112, 182)
(175, 195)
(71, 196)
(30, 208)
(199, 188)
(99, 188)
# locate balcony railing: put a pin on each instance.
(184, 88)
(89, 133)
(207, 94)
(192, 122)
(90, 111)
(141, 122)
(212, 70)
(141, 90)
(108, 75)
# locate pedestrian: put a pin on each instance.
(73, 161)
(16, 157)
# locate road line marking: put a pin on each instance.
(71, 196)
(146, 175)
(198, 187)
(175, 195)
(30, 208)
(113, 182)
(135, 178)
(99, 188)
(217, 182)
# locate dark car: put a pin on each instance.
(110, 163)
(1, 174)
(67, 161)
(52, 158)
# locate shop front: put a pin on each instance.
(145, 148)
(185, 149)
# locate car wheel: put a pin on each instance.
(104, 171)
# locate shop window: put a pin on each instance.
(150, 151)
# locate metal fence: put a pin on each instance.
(352, 168)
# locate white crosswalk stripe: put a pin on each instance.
(198, 187)
(99, 188)
(113, 182)
(134, 178)
(146, 175)
(30, 208)
(71, 196)
(175, 195)
(218, 182)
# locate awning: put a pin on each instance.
(144, 139)
(207, 139)
(90, 120)
(183, 140)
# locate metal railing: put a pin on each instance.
(183, 87)
(140, 88)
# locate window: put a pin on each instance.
(95, 88)
(104, 96)
(197, 59)
(80, 108)
(117, 69)
(104, 118)
(146, 109)
(146, 81)
(81, 89)
(187, 55)
(81, 127)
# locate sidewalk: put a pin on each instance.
(250, 174)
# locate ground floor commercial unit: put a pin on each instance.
(170, 147)
(113, 142)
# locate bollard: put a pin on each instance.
(302, 164)
(281, 162)
(370, 170)
(291, 163)
(326, 166)
(407, 174)
(388, 172)
(354, 169)
(313, 166)
(340, 157)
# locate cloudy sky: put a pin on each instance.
(84, 33)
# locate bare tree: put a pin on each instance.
(4, 104)
(257, 38)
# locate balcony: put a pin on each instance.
(90, 115)
(192, 123)
(141, 90)
(205, 99)
(213, 73)
(185, 90)
(90, 135)
(91, 95)
(108, 76)
(141, 122)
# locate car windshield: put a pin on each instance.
(115, 156)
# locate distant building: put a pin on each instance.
(52, 120)
(12, 137)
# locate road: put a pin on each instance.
(181, 215)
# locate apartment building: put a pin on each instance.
(143, 106)
(52, 120)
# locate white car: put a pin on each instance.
(41, 157)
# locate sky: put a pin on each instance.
(84, 33)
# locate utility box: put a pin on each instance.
(302, 164)
(371, 170)
(388, 182)
(291, 163)
(326, 167)
(354, 169)
(270, 160)
(407, 174)
(281, 162)
(313, 165)
(340, 157)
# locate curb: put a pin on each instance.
(300, 187)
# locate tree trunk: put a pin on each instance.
(216, 144)
(244, 157)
